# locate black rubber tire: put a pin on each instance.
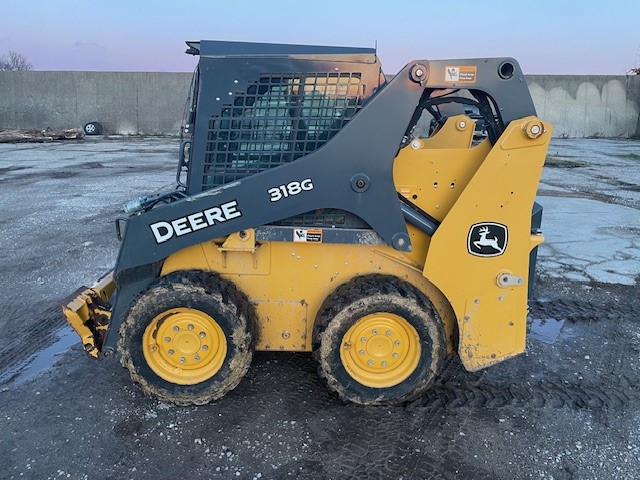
(93, 128)
(363, 296)
(206, 292)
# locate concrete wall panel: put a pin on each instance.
(152, 103)
(127, 103)
(587, 105)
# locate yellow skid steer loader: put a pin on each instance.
(313, 213)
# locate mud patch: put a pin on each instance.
(563, 162)
(128, 428)
(92, 165)
(630, 187)
(11, 169)
(60, 174)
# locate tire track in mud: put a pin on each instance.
(619, 389)
(575, 310)
(543, 394)
(620, 317)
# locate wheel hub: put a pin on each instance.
(187, 342)
(380, 350)
(184, 346)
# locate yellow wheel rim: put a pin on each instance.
(184, 346)
(380, 350)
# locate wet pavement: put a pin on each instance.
(590, 190)
(567, 409)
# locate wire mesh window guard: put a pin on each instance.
(280, 118)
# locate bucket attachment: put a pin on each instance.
(88, 311)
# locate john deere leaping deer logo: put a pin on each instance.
(487, 239)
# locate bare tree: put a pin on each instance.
(635, 70)
(14, 61)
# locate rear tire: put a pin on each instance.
(378, 341)
(189, 338)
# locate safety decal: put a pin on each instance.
(487, 239)
(463, 74)
(307, 235)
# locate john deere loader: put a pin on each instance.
(311, 215)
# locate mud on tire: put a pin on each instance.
(201, 292)
(359, 299)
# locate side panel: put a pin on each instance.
(287, 282)
(432, 173)
(488, 289)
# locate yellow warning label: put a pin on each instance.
(462, 74)
(313, 235)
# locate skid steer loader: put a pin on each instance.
(310, 215)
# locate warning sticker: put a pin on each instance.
(307, 235)
(465, 74)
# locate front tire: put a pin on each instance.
(189, 338)
(378, 341)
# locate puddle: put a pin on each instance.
(40, 361)
(545, 331)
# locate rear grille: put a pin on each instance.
(280, 118)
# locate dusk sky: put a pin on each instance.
(562, 37)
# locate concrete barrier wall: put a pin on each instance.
(125, 103)
(588, 105)
(153, 103)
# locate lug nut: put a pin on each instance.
(171, 352)
(397, 343)
(202, 334)
(196, 358)
(395, 355)
(176, 329)
(167, 339)
(374, 331)
(361, 352)
(384, 364)
(205, 347)
(182, 359)
(363, 339)
(370, 362)
(388, 333)
(190, 327)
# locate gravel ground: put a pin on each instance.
(567, 409)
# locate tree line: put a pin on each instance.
(13, 61)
